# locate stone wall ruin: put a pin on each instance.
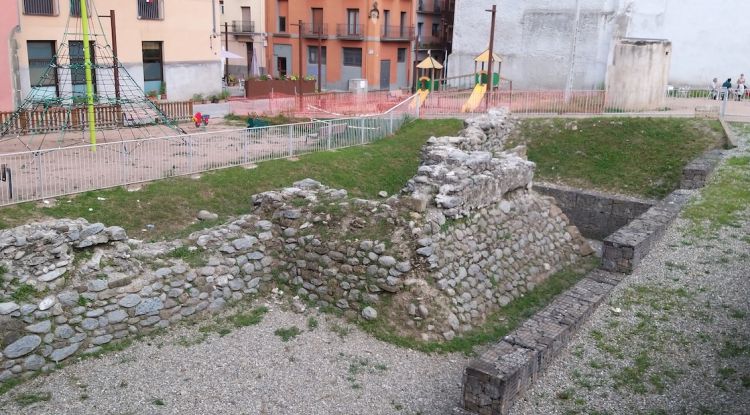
(466, 236)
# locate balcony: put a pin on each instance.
(397, 34)
(40, 7)
(240, 27)
(430, 6)
(350, 31)
(428, 41)
(314, 30)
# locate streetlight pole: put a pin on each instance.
(490, 53)
(320, 60)
(226, 47)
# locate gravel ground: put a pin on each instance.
(324, 370)
(673, 338)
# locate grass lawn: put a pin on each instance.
(634, 156)
(171, 204)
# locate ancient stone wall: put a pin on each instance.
(466, 237)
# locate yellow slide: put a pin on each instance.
(421, 97)
(475, 99)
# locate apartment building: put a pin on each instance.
(347, 39)
(243, 27)
(164, 44)
(434, 28)
(8, 26)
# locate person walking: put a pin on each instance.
(726, 88)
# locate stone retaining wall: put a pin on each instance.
(624, 249)
(596, 214)
(494, 380)
(696, 173)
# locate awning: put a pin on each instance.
(225, 54)
(486, 54)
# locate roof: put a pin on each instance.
(429, 63)
(484, 55)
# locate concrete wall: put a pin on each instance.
(8, 24)
(536, 38)
(638, 74)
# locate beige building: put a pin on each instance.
(174, 45)
(243, 30)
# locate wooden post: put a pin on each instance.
(490, 52)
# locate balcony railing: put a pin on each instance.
(430, 6)
(432, 40)
(397, 33)
(243, 26)
(40, 7)
(314, 30)
(349, 31)
(149, 10)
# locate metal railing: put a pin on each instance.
(397, 33)
(40, 7)
(431, 40)
(315, 30)
(349, 31)
(35, 175)
(243, 26)
(430, 6)
(149, 10)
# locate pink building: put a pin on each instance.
(8, 27)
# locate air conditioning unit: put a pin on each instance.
(358, 85)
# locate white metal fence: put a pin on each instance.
(35, 175)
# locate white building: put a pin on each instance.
(543, 41)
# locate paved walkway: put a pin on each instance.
(674, 337)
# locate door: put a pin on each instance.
(385, 74)
(352, 22)
(281, 65)
(247, 20)
(317, 20)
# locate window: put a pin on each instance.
(312, 55)
(352, 22)
(401, 55)
(75, 8)
(402, 21)
(221, 4)
(152, 61)
(435, 29)
(39, 7)
(419, 29)
(353, 57)
(386, 17)
(77, 65)
(282, 24)
(149, 9)
(42, 63)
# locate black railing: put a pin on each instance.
(149, 10)
(243, 26)
(397, 33)
(39, 7)
(315, 30)
(349, 31)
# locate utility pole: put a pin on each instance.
(490, 53)
(115, 60)
(299, 57)
(226, 48)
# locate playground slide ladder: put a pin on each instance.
(475, 99)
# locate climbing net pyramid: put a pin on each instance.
(56, 111)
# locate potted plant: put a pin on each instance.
(151, 95)
(163, 91)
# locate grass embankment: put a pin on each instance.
(171, 204)
(635, 156)
(725, 200)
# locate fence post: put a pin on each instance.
(124, 153)
(361, 130)
(390, 116)
(291, 145)
(723, 112)
(40, 176)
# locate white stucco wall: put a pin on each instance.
(535, 38)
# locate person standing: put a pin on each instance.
(741, 87)
(714, 89)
